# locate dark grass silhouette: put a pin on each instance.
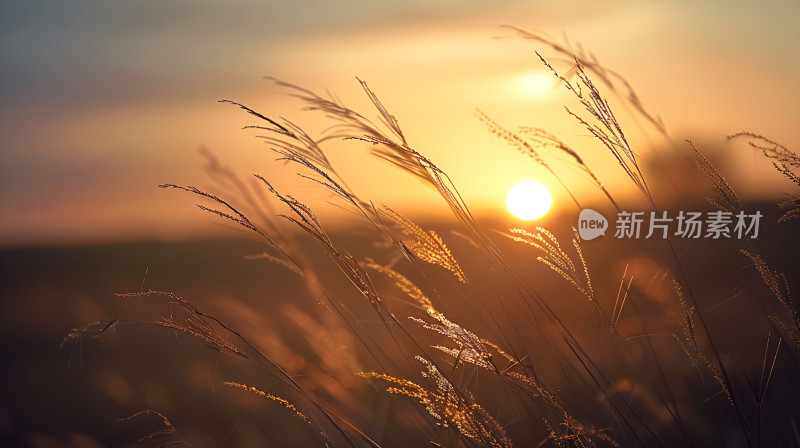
(448, 337)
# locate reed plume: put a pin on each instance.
(608, 130)
(428, 246)
(726, 199)
(556, 259)
(785, 162)
(779, 287)
(450, 408)
(688, 342)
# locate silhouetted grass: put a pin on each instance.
(455, 343)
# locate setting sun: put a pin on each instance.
(529, 200)
(536, 85)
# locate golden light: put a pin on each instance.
(529, 200)
(536, 85)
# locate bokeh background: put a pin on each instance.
(102, 101)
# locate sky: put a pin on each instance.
(102, 101)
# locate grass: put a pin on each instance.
(457, 341)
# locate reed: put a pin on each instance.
(457, 338)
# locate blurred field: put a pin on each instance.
(60, 393)
(74, 395)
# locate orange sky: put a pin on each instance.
(99, 103)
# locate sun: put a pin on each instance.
(529, 200)
(536, 85)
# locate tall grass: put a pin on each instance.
(457, 341)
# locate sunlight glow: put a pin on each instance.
(529, 200)
(536, 85)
